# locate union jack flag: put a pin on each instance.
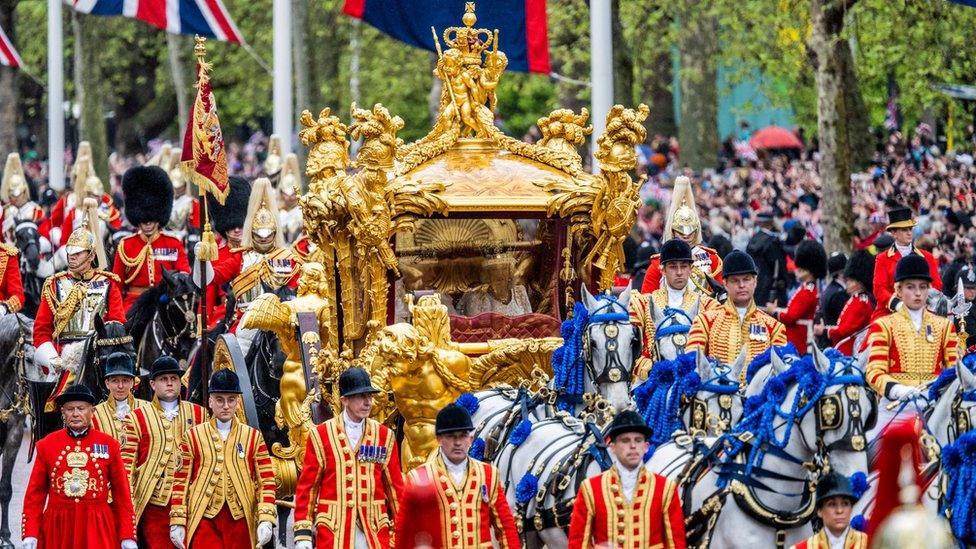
(8, 54)
(201, 17)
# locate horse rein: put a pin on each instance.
(614, 370)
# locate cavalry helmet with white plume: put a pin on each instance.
(682, 216)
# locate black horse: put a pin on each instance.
(163, 320)
(16, 358)
(28, 241)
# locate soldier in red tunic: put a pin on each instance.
(627, 506)
(76, 471)
(350, 487)
(811, 265)
(471, 501)
(835, 501)
(11, 287)
(900, 223)
(851, 330)
(141, 258)
(228, 222)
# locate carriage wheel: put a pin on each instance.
(227, 355)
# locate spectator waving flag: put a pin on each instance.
(8, 55)
(207, 18)
(521, 24)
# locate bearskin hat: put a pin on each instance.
(810, 255)
(148, 195)
(232, 213)
(860, 267)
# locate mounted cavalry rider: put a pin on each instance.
(627, 505)
(471, 501)
(262, 263)
(224, 488)
(910, 347)
(683, 222)
(151, 453)
(119, 379)
(835, 501)
(721, 333)
(850, 333)
(811, 266)
(78, 469)
(141, 258)
(15, 193)
(289, 187)
(900, 224)
(676, 292)
(350, 487)
(70, 300)
(184, 220)
(228, 223)
(87, 185)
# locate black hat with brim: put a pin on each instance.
(912, 267)
(675, 250)
(165, 365)
(119, 364)
(355, 381)
(900, 218)
(738, 262)
(452, 419)
(834, 485)
(628, 421)
(75, 393)
(224, 381)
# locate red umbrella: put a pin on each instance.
(775, 137)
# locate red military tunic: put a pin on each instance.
(151, 455)
(854, 317)
(46, 324)
(139, 263)
(799, 314)
(705, 259)
(11, 287)
(470, 511)
(721, 334)
(106, 212)
(602, 517)
(884, 277)
(75, 476)
(248, 270)
(853, 540)
(216, 296)
(302, 247)
(897, 353)
(342, 488)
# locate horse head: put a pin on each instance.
(671, 327)
(610, 345)
(178, 304)
(717, 404)
(952, 403)
(109, 337)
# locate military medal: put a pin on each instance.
(484, 493)
(240, 450)
(928, 333)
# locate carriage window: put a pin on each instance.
(503, 266)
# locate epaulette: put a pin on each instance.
(8, 249)
(809, 286)
(891, 251)
(863, 296)
(109, 274)
(238, 250)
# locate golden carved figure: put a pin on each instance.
(267, 312)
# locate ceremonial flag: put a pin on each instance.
(970, 3)
(521, 24)
(203, 157)
(200, 17)
(8, 55)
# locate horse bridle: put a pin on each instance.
(614, 370)
(830, 414)
(680, 331)
(723, 388)
(185, 307)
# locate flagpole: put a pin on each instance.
(282, 86)
(55, 96)
(601, 70)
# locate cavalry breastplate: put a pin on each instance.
(93, 303)
(264, 273)
(702, 267)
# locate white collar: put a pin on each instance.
(742, 312)
(675, 296)
(836, 541)
(916, 317)
(224, 425)
(454, 467)
(169, 406)
(350, 424)
(904, 250)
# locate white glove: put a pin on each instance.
(904, 393)
(129, 544)
(46, 354)
(177, 534)
(303, 545)
(265, 531)
(197, 277)
(4, 310)
(31, 543)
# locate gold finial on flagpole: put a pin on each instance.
(200, 49)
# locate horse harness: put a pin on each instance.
(679, 331)
(614, 370)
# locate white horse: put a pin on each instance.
(597, 358)
(671, 327)
(754, 488)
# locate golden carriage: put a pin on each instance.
(443, 265)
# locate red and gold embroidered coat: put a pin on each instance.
(70, 485)
(603, 518)
(640, 316)
(854, 317)
(854, 540)
(139, 263)
(898, 353)
(213, 473)
(470, 512)
(11, 286)
(107, 422)
(338, 489)
(720, 333)
(152, 449)
(884, 277)
(798, 315)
